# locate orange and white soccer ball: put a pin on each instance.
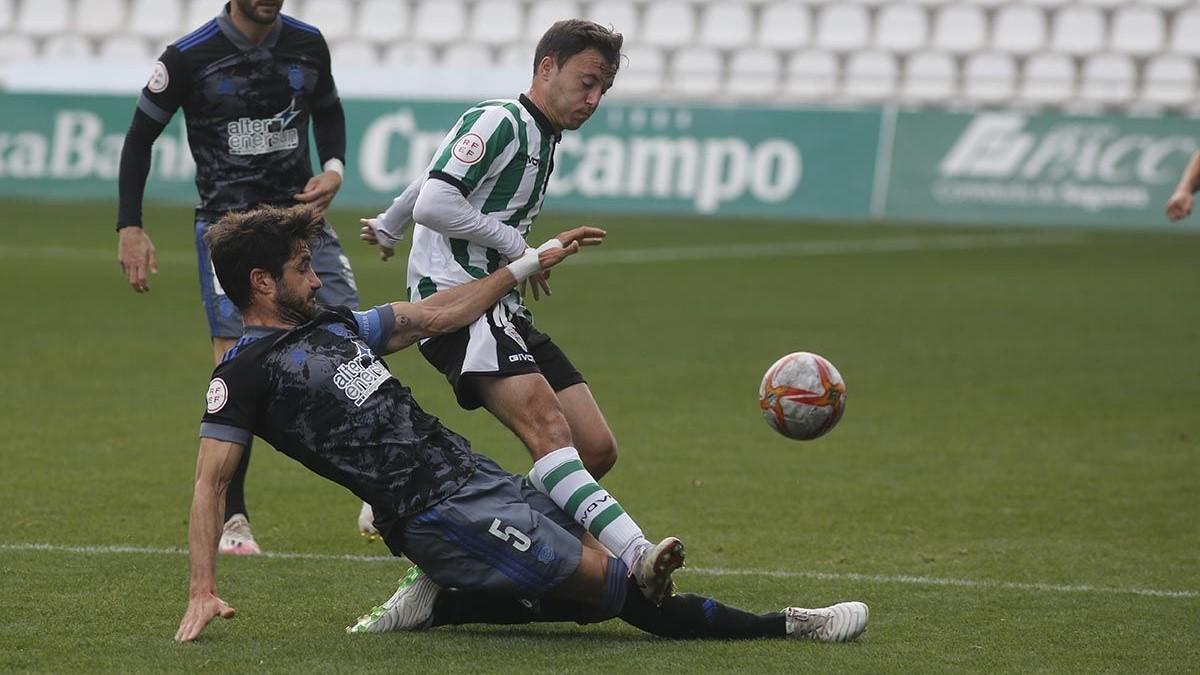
(802, 396)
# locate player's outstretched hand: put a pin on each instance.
(1179, 206)
(320, 190)
(571, 240)
(136, 254)
(369, 235)
(201, 610)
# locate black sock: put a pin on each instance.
(456, 608)
(693, 616)
(235, 496)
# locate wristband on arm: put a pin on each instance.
(528, 265)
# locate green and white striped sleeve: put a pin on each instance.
(482, 143)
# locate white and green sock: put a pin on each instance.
(562, 476)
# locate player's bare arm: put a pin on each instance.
(136, 254)
(1180, 204)
(215, 466)
(451, 309)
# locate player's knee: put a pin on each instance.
(598, 452)
(544, 428)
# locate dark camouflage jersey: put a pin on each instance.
(320, 395)
(247, 108)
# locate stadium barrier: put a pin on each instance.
(998, 167)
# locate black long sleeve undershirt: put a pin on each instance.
(135, 168)
(329, 129)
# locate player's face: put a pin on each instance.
(296, 290)
(260, 11)
(573, 92)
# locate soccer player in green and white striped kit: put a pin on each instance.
(473, 208)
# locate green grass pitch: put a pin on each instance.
(1015, 486)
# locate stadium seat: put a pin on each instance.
(843, 27)
(382, 21)
(97, 18)
(811, 75)
(985, 3)
(1107, 79)
(43, 18)
(784, 25)
(544, 13)
(641, 74)
(870, 76)
(16, 47)
(1169, 79)
(408, 55)
(695, 72)
(959, 29)
(440, 22)
(901, 28)
(1138, 31)
(1047, 79)
(156, 19)
(1077, 30)
(754, 74)
(1018, 29)
(929, 77)
(989, 77)
(1103, 4)
(668, 24)
(1165, 4)
(1184, 30)
(620, 15)
(6, 15)
(495, 23)
(352, 53)
(334, 18)
(1047, 4)
(520, 56)
(726, 26)
(466, 56)
(68, 47)
(125, 49)
(200, 12)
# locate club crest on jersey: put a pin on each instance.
(258, 137)
(468, 149)
(159, 78)
(217, 396)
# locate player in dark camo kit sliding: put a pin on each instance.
(248, 82)
(309, 380)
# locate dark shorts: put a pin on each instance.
(496, 534)
(497, 345)
(328, 260)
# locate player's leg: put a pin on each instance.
(225, 326)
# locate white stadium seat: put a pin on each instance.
(784, 25)
(157, 19)
(844, 28)
(641, 72)
(68, 47)
(1164, 4)
(959, 29)
(466, 56)
(200, 12)
(544, 13)
(1048, 79)
(1047, 4)
(334, 18)
(519, 56)
(97, 18)
(125, 49)
(1077, 30)
(352, 53)
(985, 3)
(901, 28)
(668, 24)
(929, 77)
(989, 77)
(1138, 31)
(496, 22)
(1184, 30)
(1018, 29)
(42, 18)
(1169, 79)
(6, 15)
(726, 26)
(16, 47)
(870, 76)
(811, 75)
(440, 21)
(408, 55)
(619, 15)
(382, 21)
(695, 72)
(1103, 4)
(1107, 79)
(753, 73)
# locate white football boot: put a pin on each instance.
(366, 523)
(237, 539)
(839, 623)
(409, 608)
(653, 569)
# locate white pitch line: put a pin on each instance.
(708, 571)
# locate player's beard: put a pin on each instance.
(296, 309)
(265, 15)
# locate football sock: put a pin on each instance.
(235, 494)
(694, 616)
(562, 476)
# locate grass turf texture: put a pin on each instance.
(1016, 414)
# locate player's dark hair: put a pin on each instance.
(262, 238)
(568, 37)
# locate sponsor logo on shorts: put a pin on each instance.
(468, 149)
(217, 396)
(545, 554)
(522, 357)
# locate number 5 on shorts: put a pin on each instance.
(518, 538)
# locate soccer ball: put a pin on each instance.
(802, 396)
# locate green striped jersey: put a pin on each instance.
(499, 154)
